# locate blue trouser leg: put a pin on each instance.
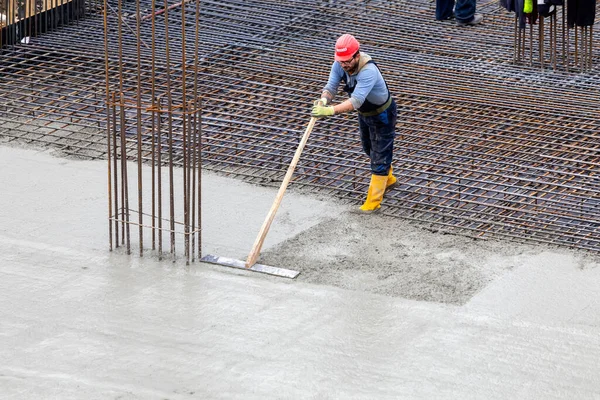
(377, 137)
(465, 10)
(443, 9)
(365, 135)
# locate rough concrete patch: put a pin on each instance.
(95, 131)
(74, 136)
(393, 257)
(60, 140)
(586, 260)
(31, 136)
(76, 153)
(10, 125)
(44, 131)
(74, 142)
(56, 125)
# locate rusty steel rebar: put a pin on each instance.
(484, 146)
(137, 121)
(547, 38)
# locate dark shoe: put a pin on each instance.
(450, 17)
(477, 18)
(546, 10)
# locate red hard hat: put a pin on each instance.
(345, 47)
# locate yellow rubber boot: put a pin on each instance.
(375, 193)
(391, 180)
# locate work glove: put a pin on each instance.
(322, 101)
(320, 111)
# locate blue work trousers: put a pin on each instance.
(463, 11)
(377, 134)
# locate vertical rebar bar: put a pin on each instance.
(115, 168)
(139, 124)
(516, 41)
(10, 18)
(124, 194)
(159, 173)
(154, 115)
(541, 41)
(197, 151)
(170, 113)
(591, 54)
(108, 153)
(185, 133)
(576, 59)
(567, 42)
(554, 39)
(25, 22)
(531, 45)
(124, 180)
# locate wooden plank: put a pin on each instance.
(262, 234)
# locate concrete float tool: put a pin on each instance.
(250, 263)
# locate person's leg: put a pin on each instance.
(365, 135)
(444, 9)
(382, 132)
(465, 10)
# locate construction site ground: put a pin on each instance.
(457, 289)
(382, 309)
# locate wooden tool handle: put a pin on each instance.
(254, 253)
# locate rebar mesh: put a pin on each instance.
(484, 147)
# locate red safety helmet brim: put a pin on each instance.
(344, 58)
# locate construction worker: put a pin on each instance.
(370, 96)
(461, 10)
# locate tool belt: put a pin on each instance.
(378, 110)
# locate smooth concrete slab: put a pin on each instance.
(80, 322)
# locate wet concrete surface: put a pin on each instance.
(382, 309)
(394, 257)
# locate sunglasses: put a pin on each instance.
(347, 62)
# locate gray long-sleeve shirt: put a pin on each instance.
(369, 83)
